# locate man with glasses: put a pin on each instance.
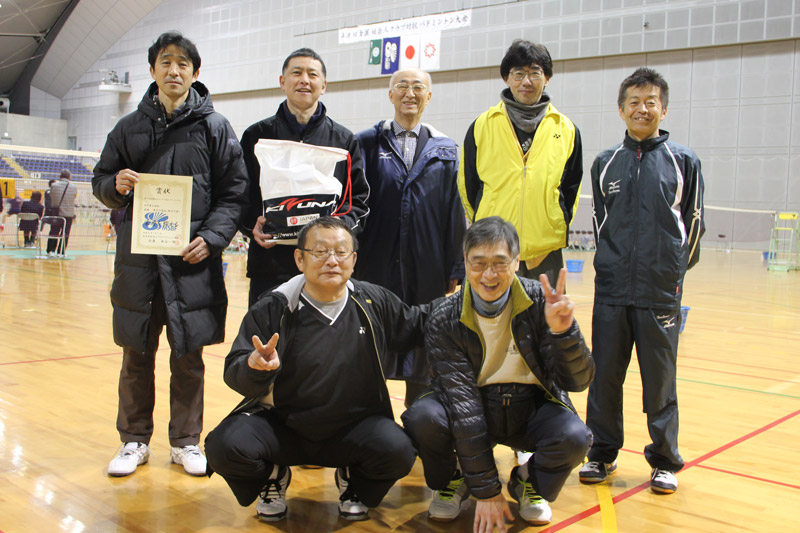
(504, 352)
(522, 160)
(301, 118)
(308, 360)
(412, 242)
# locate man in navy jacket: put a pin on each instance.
(412, 242)
(648, 212)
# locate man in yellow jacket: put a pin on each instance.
(522, 160)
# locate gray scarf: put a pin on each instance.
(489, 309)
(525, 117)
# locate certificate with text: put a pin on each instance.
(162, 212)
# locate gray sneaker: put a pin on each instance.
(446, 503)
(350, 507)
(532, 507)
(596, 472)
(271, 505)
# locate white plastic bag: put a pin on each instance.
(297, 184)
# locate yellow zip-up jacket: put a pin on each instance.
(536, 191)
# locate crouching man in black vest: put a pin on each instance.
(308, 359)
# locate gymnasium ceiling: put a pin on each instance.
(50, 44)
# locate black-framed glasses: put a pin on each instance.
(418, 88)
(323, 255)
(498, 267)
(533, 75)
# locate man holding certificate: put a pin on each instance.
(177, 166)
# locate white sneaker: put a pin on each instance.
(192, 459)
(350, 507)
(523, 456)
(663, 481)
(532, 507)
(446, 503)
(271, 505)
(129, 457)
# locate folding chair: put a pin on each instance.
(52, 221)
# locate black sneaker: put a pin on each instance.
(271, 505)
(596, 472)
(350, 507)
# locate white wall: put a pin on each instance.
(26, 130)
(734, 93)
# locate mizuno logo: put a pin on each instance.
(667, 321)
(302, 203)
(613, 187)
(384, 155)
(362, 331)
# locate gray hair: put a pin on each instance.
(491, 230)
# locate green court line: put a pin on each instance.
(730, 387)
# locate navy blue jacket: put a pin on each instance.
(412, 241)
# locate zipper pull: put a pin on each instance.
(506, 400)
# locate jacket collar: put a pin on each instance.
(318, 116)
(294, 287)
(198, 101)
(385, 126)
(647, 144)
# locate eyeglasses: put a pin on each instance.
(322, 255)
(418, 88)
(498, 267)
(533, 75)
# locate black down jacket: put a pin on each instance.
(197, 142)
(456, 350)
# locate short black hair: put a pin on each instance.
(524, 53)
(325, 222)
(169, 38)
(36, 196)
(491, 230)
(643, 77)
(305, 52)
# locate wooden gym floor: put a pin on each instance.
(738, 388)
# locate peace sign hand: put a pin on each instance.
(264, 357)
(559, 308)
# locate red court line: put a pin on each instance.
(58, 359)
(639, 488)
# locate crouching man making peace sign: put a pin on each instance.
(315, 392)
(504, 352)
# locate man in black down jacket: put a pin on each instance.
(316, 393)
(504, 352)
(301, 118)
(175, 130)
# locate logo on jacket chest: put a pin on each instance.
(384, 155)
(613, 187)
